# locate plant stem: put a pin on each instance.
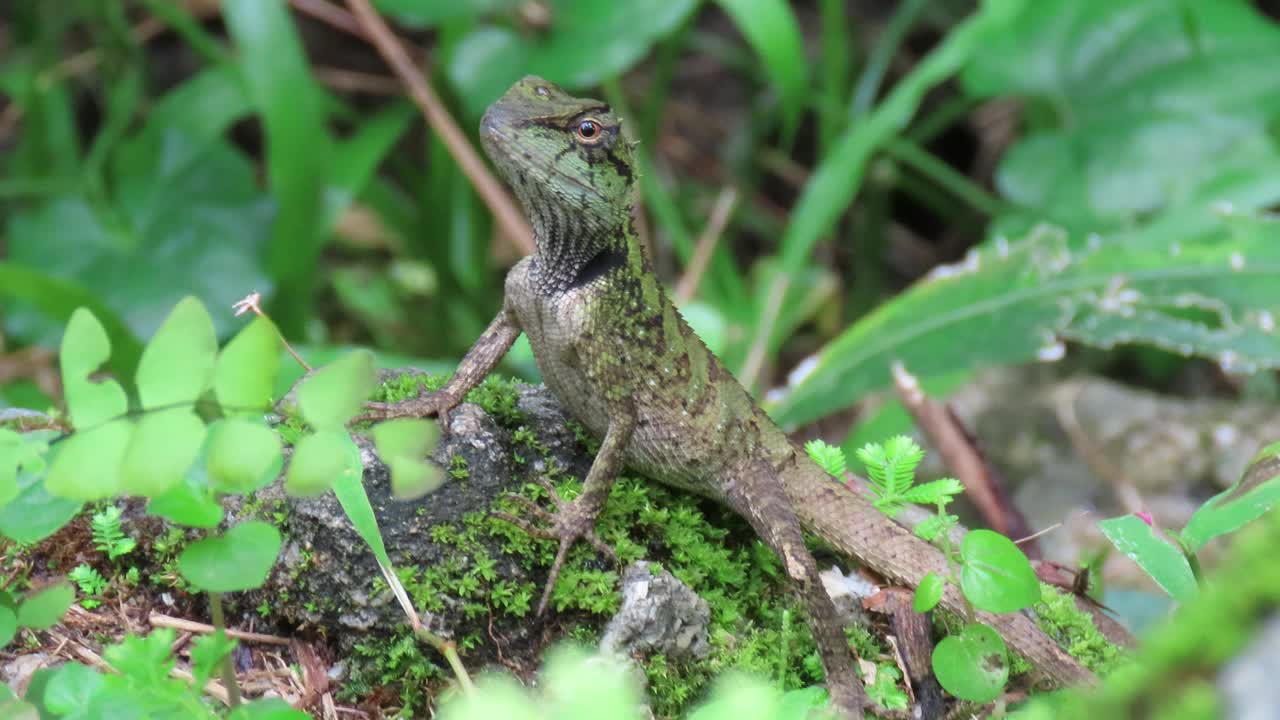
(228, 668)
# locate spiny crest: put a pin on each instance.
(551, 146)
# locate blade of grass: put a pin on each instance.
(279, 82)
(864, 95)
(772, 30)
(836, 181)
(837, 48)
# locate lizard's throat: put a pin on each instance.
(573, 247)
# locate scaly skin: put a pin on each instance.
(620, 357)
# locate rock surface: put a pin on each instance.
(658, 614)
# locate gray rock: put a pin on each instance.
(658, 614)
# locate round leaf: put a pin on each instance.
(177, 363)
(36, 513)
(85, 348)
(972, 665)
(246, 370)
(71, 689)
(188, 504)
(403, 445)
(928, 593)
(238, 560)
(165, 443)
(45, 608)
(242, 455)
(8, 623)
(87, 464)
(317, 459)
(996, 576)
(337, 391)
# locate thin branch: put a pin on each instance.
(158, 620)
(726, 201)
(510, 220)
(961, 454)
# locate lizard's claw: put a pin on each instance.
(571, 521)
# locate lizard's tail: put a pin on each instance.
(847, 521)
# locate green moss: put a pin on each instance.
(396, 662)
(1074, 629)
(757, 624)
(497, 395)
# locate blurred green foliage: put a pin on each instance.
(216, 159)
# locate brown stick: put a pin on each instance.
(158, 620)
(961, 454)
(513, 225)
(914, 646)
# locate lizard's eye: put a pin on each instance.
(590, 131)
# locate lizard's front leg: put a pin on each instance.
(577, 519)
(479, 361)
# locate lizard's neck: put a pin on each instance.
(575, 247)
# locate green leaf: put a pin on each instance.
(45, 608)
(973, 664)
(207, 652)
(349, 489)
(189, 503)
(13, 454)
(317, 459)
(56, 300)
(8, 618)
(193, 202)
(933, 492)
(86, 466)
(928, 593)
(242, 455)
(1161, 559)
(244, 378)
(1253, 496)
(832, 186)
(996, 575)
(337, 391)
(1123, 130)
(164, 445)
(71, 689)
(1022, 296)
(85, 347)
(404, 445)
(422, 15)
(238, 560)
(587, 42)
(36, 513)
(828, 457)
(299, 148)
(145, 660)
(356, 159)
(771, 28)
(176, 366)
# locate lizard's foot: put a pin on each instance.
(572, 520)
(427, 404)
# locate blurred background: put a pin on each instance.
(1054, 211)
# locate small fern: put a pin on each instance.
(108, 535)
(828, 457)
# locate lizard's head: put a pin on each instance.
(555, 149)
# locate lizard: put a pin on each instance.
(617, 353)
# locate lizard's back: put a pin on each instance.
(617, 342)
